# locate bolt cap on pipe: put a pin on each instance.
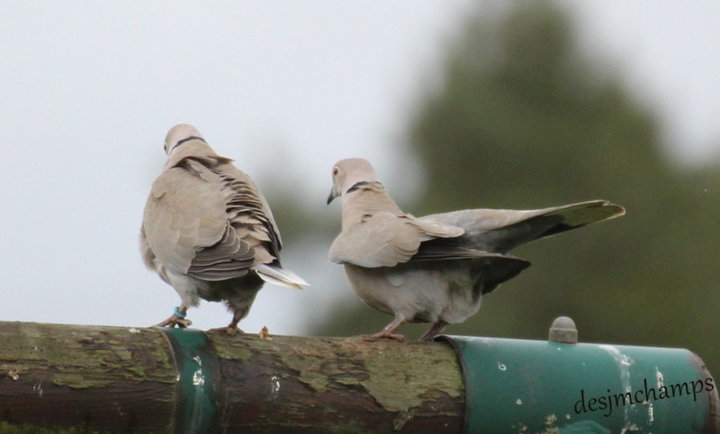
(563, 330)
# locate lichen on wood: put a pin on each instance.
(346, 384)
(67, 376)
(70, 378)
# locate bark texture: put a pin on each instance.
(119, 379)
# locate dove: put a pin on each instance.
(209, 232)
(437, 268)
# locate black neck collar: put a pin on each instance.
(359, 185)
(187, 139)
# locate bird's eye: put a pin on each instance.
(335, 171)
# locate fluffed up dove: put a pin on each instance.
(436, 268)
(208, 231)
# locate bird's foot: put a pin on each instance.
(387, 332)
(384, 335)
(228, 330)
(174, 321)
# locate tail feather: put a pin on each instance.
(581, 214)
(500, 230)
(552, 221)
(279, 276)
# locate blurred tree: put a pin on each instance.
(523, 119)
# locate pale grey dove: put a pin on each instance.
(208, 231)
(435, 268)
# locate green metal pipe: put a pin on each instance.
(518, 386)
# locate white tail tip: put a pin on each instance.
(280, 276)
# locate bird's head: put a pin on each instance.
(180, 134)
(348, 173)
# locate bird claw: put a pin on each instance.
(183, 323)
(384, 335)
(175, 321)
(230, 331)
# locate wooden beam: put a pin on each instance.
(97, 378)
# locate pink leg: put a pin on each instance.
(387, 332)
(434, 330)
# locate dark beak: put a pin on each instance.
(331, 197)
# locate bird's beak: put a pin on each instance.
(332, 196)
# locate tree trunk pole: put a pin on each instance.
(108, 379)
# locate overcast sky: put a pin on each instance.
(89, 89)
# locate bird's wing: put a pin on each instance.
(385, 239)
(248, 208)
(379, 240)
(488, 270)
(186, 224)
